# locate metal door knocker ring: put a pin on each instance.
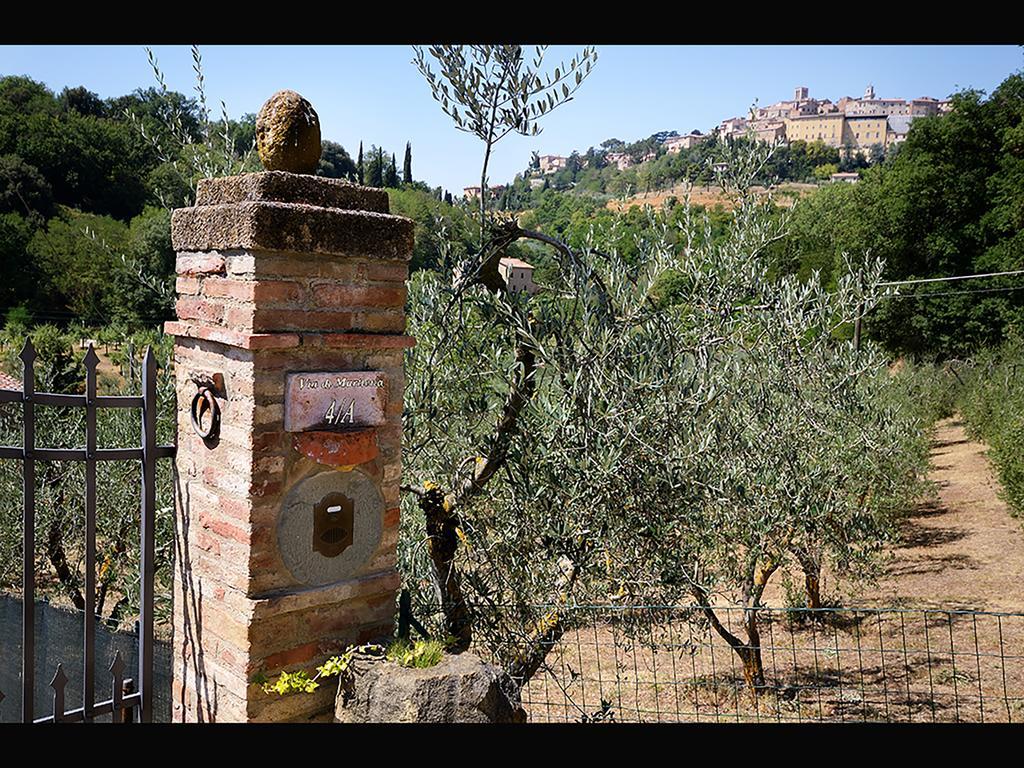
(202, 403)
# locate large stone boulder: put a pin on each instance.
(462, 688)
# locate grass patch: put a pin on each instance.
(419, 654)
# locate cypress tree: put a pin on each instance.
(407, 169)
(360, 163)
(391, 174)
(375, 172)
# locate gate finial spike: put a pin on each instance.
(91, 359)
(28, 352)
(59, 679)
(116, 683)
(58, 683)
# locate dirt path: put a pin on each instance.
(962, 550)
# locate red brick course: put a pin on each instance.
(200, 264)
(334, 294)
(190, 308)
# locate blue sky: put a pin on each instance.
(375, 95)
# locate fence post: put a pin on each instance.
(126, 714)
(147, 548)
(291, 312)
(89, 630)
(28, 576)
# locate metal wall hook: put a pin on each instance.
(205, 404)
(209, 380)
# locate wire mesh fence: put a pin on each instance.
(644, 663)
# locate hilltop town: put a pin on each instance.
(851, 125)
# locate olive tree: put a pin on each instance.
(590, 444)
(491, 91)
(800, 456)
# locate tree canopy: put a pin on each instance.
(86, 188)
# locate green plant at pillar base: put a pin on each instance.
(301, 682)
(419, 654)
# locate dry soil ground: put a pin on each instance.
(963, 550)
(907, 655)
(709, 196)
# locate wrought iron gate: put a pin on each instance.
(122, 701)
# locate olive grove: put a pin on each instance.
(590, 444)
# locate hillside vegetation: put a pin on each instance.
(87, 186)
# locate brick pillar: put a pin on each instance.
(286, 523)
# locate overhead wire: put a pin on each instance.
(917, 281)
(950, 293)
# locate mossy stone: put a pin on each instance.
(288, 134)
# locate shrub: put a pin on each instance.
(992, 403)
(930, 390)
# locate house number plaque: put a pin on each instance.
(338, 400)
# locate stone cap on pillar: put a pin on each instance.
(280, 211)
(277, 260)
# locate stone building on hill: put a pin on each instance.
(552, 163)
(474, 192)
(517, 274)
(620, 160)
(674, 144)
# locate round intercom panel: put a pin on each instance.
(330, 526)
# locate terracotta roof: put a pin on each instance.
(9, 382)
(511, 261)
